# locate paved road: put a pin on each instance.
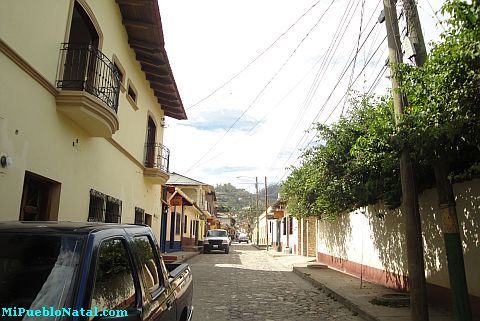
(248, 284)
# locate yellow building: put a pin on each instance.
(85, 89)
(196, 216)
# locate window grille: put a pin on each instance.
(104, 208)
(113, 211)
(139, 215)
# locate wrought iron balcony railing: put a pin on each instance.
(84, 68)
(157, 156)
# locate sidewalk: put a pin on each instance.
(346, 289)
(178, 257)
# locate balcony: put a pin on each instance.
(90, 86)
(156, 162)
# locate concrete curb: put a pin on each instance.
(187, 257)
(338, 297)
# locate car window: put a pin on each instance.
(114, 287)
(151, 273)
(216, 233)
(37, 270)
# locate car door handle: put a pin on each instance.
(169, 305)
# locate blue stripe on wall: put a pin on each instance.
(176, 247)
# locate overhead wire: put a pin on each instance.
(323, 106)
(332, 49)
(262, 90)
(335, 43)
(255, 59)
(333, 46)
(262, 118)
(356, 55)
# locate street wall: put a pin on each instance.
(370, 243)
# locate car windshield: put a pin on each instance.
(37, 270)
(217, 233)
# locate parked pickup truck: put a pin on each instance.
(216, 240)
(86, 271)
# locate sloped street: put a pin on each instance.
(248, 284)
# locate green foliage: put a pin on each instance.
(242, 202)
(356, 161)
(354, 164)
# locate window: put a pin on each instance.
(104, 208)
(148, 219)
(139, 215)
(121, 72)
(38, 270)
(132, 92)
(151, 276)
(284, 225)
(113, 210)
(121, 76)
(114, 287)
(185, 220)
(290, 225)
(217, 233)
(177, 223)
(40, 198)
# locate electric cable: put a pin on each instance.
(254, 60)
(262, 90)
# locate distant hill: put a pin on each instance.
(242, 202)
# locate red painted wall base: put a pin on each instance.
(437, 295)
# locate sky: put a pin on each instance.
(255, 76)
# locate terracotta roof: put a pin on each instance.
(142, 21)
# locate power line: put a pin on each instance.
(328, 99)
(334, 43)
(356, 54)
(263, 89)
(264, 116)
(254, 60)
(328, 57)
(323, 106)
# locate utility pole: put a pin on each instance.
(413, 234)
(446, 197)
(258, 213)
(266, 208)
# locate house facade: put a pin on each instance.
(197, 210)
(86, 86)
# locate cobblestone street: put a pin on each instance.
(248, 284)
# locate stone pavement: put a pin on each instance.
(346, 289)
(247, 284)
(341, 287)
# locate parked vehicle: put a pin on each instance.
(216, 240)
(90, 266)
(243, 238)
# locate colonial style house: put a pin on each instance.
(192, 205)
(285, 236)
(85, 89)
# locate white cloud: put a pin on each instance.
(209, 41)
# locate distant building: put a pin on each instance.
(191, 207)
